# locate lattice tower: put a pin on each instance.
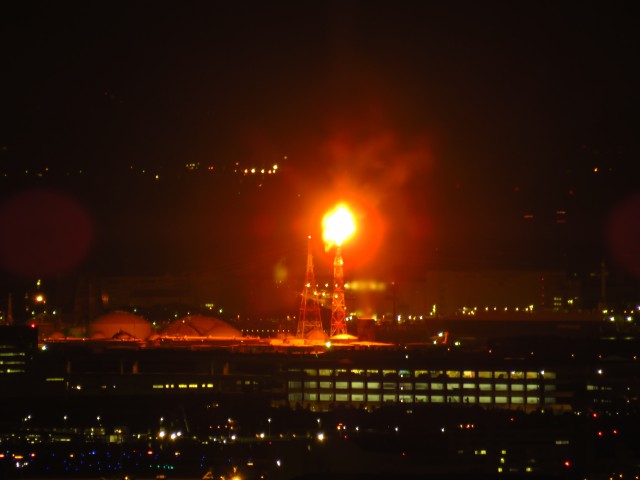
(338, 309)
(309, 318)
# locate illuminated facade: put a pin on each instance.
(16, 347)
(325, 387)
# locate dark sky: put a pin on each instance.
(459, 132)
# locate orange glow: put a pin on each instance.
(362, 248)
(337, 225)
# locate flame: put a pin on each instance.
(338, 225)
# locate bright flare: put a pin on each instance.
(337, 226)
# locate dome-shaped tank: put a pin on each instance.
(119, 325)
(201, 326)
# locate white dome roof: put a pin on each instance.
(119, 324)
(201, 326)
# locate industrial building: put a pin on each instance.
(551, 373)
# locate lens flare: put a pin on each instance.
(337, 226)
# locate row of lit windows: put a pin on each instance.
(11, 361)
(157, 386)
(405, 386)
(161, 386)
(400, 398)
(403, 373)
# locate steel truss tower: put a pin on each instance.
(338, 309)
(309, 318)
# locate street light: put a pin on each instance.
(269, 421)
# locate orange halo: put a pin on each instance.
(338, 225)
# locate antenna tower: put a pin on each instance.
(338, 309)
(309, 318)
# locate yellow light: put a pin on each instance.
(338, 225)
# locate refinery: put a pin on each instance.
(319, 241)
(542, 395)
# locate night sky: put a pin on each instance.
(466, 135)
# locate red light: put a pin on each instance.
(615, 432)
(567, 463)
(32, 325)
(599, 434)
(595, 415)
